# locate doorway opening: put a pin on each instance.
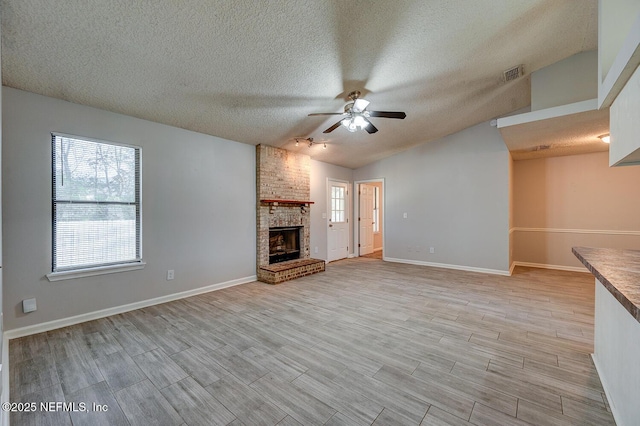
(370, 214)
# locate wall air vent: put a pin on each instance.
(513, 73)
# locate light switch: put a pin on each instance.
(29, 305)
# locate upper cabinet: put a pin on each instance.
(619, 77)
(625, 124)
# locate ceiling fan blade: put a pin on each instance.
(360, 104)
(332, 128)
(327, 113)
(388, 114)
(370, 127)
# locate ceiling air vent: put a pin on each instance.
(513, 73)
(540, 148)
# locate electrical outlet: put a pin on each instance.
(404, 215)
(315, 249)
(170, 274)
(432, 250)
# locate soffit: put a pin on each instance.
(564, 130)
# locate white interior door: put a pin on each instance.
(366, 219)
(338, 223)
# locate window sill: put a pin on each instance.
(89, 272)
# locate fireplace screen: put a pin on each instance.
(284, 244)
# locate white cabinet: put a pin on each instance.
(619, 77)
(625, 124)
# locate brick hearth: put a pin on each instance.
(289, 270)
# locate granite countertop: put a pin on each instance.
(618, 271)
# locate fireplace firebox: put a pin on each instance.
(284, 243)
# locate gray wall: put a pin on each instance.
(198, 201)
(455, 192)
(320, 172)
(573, 79)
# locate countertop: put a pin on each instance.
(618, 271)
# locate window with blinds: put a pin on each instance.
(96, 203)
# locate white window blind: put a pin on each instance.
(96, 203)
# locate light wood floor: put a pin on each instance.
(366, 342)
(374, 255)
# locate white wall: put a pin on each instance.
(320, 172)
(198, 204)
(455, 192)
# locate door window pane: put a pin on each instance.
(338, 194)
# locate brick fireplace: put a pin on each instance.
(283, 202)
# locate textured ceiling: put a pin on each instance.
(251, 71)
(565, 135)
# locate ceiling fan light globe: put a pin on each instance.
(360, 121)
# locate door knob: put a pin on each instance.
(330, 226)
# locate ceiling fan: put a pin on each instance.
(357, 116)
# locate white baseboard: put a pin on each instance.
(64, 322)
(546, 266)
(447, 266)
